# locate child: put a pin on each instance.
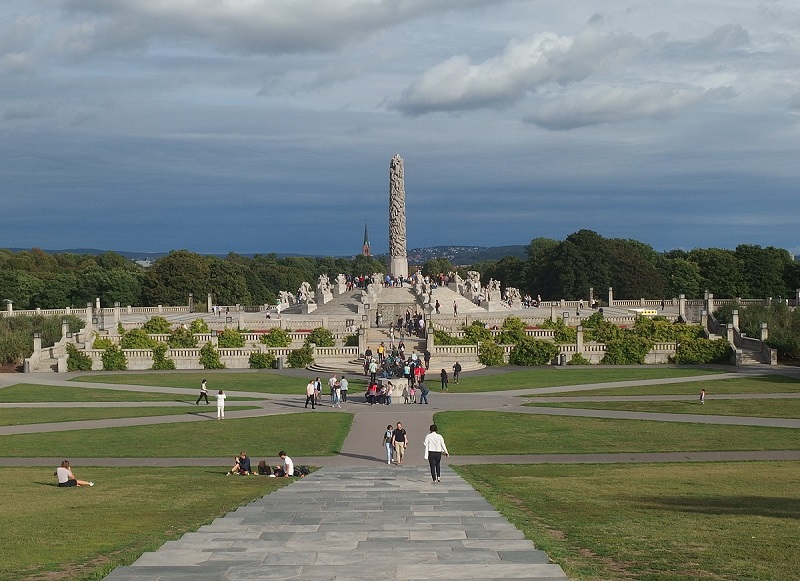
(413, 394)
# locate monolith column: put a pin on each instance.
(398, 259)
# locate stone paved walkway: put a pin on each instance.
(350, 523)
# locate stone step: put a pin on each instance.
(354, 522)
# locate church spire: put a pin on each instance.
(365, 251)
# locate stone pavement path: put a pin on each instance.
(350, 523)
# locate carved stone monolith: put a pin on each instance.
(398, 259)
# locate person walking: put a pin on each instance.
(455, 309)
(221, 405)
(311, 392)
(423, 393)
(318, 391)
(337, 395)
(203, 393)
(343, 389)
(444, 379)
(373, 370)
(332, 385)
(399, 443)
(434, 448)
(703, 396)
(456, 371)
(387, 443)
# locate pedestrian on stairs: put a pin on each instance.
(455, 309)
(438, 306)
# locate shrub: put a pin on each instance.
(530, 351)
(300, 358)
(230, 338)
(659, 330)
(578, 359)
(276, 338)
(157, 326)
(563, 333)
(182, 338)
(136, 339)
(351, 340)
(704, 351)
(102, 342)
(160, 359)
(321, 337)
(513, 331)
(476, 333)
(114, 359)
(209, 357)
(442, 338)
(199, 326)
(16, 334)
(261, 360)
(77, 361)
(629, 350)
(490, 353)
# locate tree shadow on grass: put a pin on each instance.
(776, 507)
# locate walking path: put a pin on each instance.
(353, 523)
(358, 518)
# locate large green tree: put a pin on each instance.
(171, 279)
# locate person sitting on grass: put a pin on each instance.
(67, 478)
(287, 469)
(241, 465)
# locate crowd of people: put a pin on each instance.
(243, 467)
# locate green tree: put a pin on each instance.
(230, 339)
(436, 266)
(172, 278)
(321, 337)
(530, 351)
(209, 357)
(20, 287)
(720, 271)
(229, 282)
(763, 270)
(157, 325)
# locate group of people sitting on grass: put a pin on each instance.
(242, 467)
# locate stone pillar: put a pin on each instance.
(796, 298)
(682, 307)
(64, 328)
(398, 259)
(37, 343)
(735, 318)
(704, 319)
(710, 303)
(89, 325)
(117, 317)
(729, 333)
(591, 296)
(610, 296)
(241, 319)
(10, 306)
(553, 312)
(579, 340)
(362, 340)
(97, 303)
(764, 332)
(209, 303)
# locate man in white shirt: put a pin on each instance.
(343, 389)
(332, 385)
(434, 447)
(288, 465)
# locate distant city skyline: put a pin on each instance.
(267, 126)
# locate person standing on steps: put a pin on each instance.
(221, 405)
(399, 443)
(203, 393)
(311, 391)
(434, 448)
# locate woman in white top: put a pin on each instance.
(221, 405)
(67, 478)
(434, 447)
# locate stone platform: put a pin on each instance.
(350, 523)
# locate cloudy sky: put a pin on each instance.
(269, 125)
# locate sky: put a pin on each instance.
(258, 126)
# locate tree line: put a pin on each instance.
(553, 269)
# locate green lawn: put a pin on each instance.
(516, 378)
(300, 434)
(655, 522)
(20, 416)
(83, 533)
(32, 393)
(263, 381)
(762, 408)
(762, 384)
(490, 433)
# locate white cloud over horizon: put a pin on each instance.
(233, 125)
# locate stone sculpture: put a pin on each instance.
(285, 298)
(304, 294)
(398, 263)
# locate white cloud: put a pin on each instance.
(616, 104)
(524, 66)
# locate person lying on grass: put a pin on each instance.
(67, 478)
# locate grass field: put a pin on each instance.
(267, 381)
(489, 433)
(761, 408)
(759, 384)
(300, 434)
(23, 416)
(33, 393)
(83, 533)
(655, 522)
(263, 381)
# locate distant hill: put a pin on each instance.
(458, 255)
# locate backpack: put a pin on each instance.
(302, 471)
